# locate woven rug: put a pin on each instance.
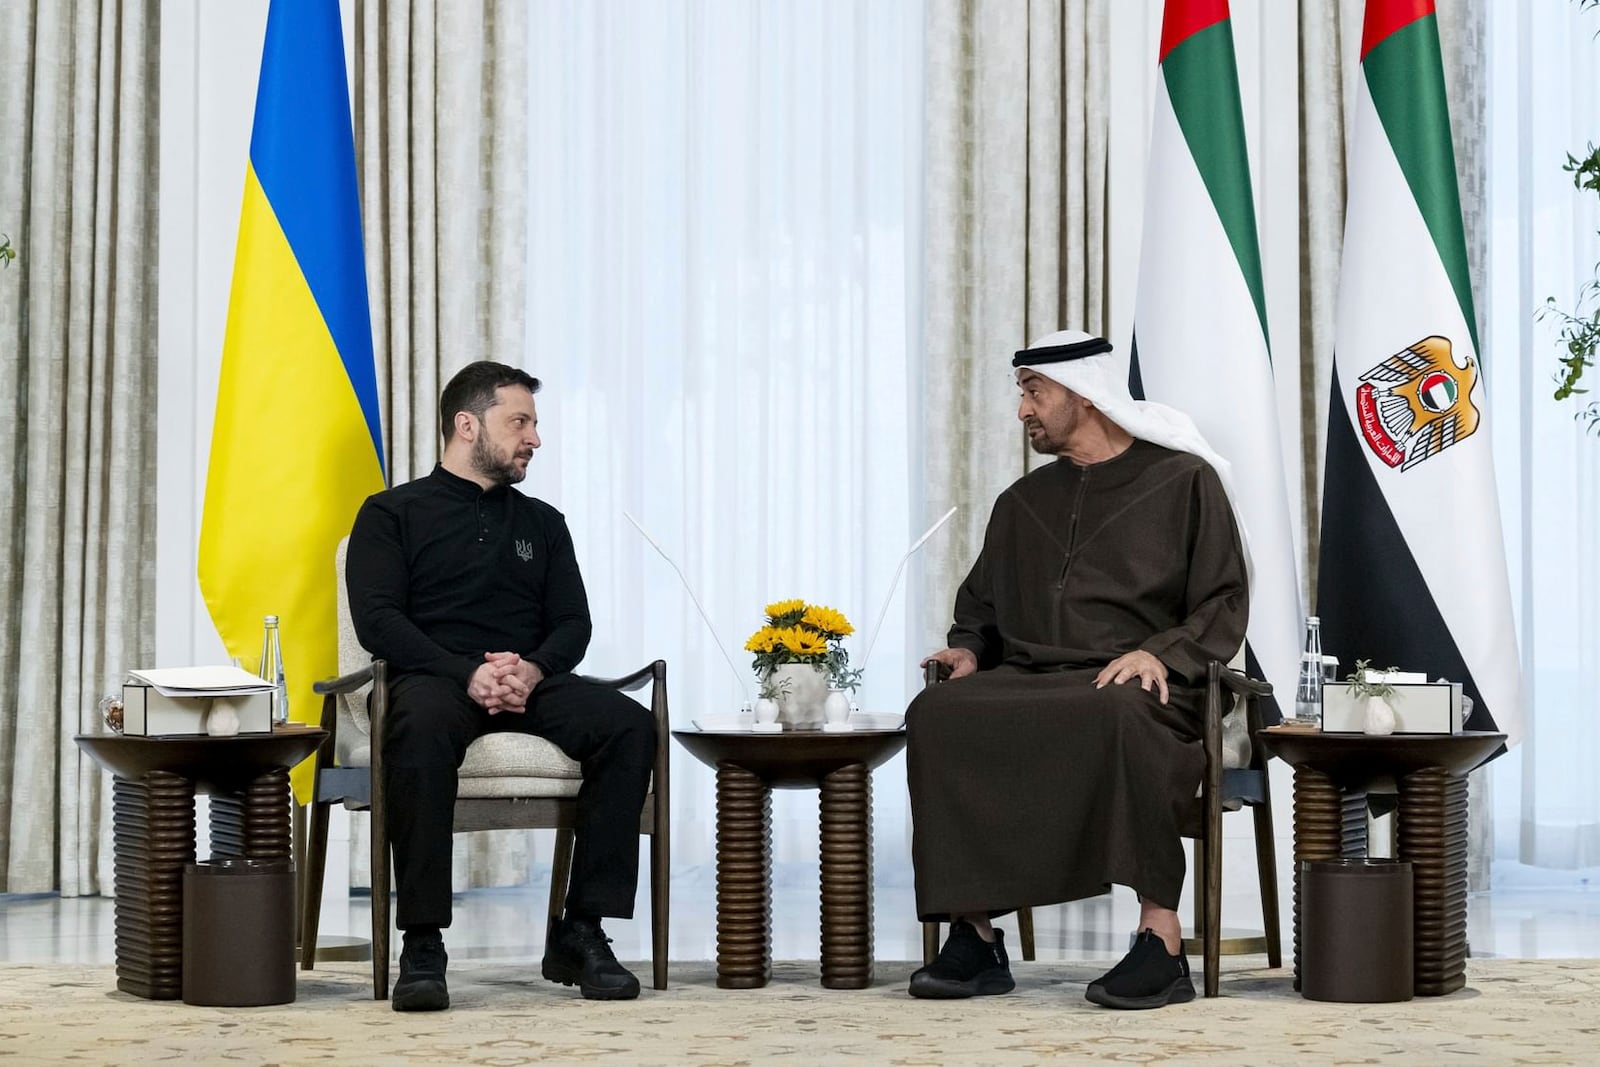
(1512, 1012)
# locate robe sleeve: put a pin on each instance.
(976, 626)
(1216, 596)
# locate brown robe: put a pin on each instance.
(1028, 785)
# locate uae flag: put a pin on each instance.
(1413, 570)
(1200, 323)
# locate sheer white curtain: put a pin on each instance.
(722, 295)
(1544, 101)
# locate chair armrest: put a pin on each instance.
(934, 673)
(628, 683)
(1241, 684)
(347, 683)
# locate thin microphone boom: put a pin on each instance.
(696, 601)
(895, 582)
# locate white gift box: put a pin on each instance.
(148, 713)
(1419, 708)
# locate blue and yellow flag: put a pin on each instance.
(297, 444)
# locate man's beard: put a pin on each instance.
(1041, 442)
(502, 470)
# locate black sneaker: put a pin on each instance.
(1148, 977)
(967, 966)
(421, 986)
(578, 952)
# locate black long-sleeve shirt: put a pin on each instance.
(441, 571)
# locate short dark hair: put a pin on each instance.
(472, 389)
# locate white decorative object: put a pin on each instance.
(802, 690)
(836, 712)
(1378, 717)
(222, 720)
(766, 717)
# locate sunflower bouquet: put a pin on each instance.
(809, 634)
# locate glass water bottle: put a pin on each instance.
(272, 669)
(1308, 689)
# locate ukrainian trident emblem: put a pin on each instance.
(524, 550)
(1417, 403)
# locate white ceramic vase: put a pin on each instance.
(836, 710)
(800, 700)
(1378, 717)
(222, 721)
(766, 710)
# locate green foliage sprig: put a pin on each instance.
(7, 253)
(1363, 686)
(1579, 329)
(772, 688)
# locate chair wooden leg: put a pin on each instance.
(930, 942)
(1197, 872)
(380, 908)
(316, 862)
(660, 898)
(1267, 872)
(1213, 912)
(560, 872)
(1025, 932)
(297, 860)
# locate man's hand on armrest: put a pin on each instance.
(954, 662)
(1150, 671)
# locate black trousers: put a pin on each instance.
(431, 721)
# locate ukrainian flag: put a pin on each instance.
(297, 445)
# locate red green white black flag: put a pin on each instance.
(1413, 569)
(1200, 324)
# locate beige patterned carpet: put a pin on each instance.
(1512, 1012)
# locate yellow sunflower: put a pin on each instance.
(763, 640)
(803, 642)
(831, 622)
(780, 608)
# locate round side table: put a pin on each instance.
(1333, 772)
(749, 766)
(155, 780)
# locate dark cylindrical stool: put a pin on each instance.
(1356, 930)
(238, 932)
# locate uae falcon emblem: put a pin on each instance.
(1417, 403)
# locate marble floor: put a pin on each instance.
(1526, 916)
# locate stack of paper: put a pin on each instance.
(227, 681)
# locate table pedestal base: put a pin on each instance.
(153, 836)
(153, 833)
(1331, 824)
(250, 823)
(744, 879)
(1433, 836)
(846, 808)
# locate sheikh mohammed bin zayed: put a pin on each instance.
(1057, 758)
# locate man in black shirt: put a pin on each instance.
(470, 590)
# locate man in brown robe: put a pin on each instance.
(1058, 757)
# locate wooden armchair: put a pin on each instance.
(1228, 781)
(507, 781)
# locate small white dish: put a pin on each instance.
(723, 724)
(738, 724)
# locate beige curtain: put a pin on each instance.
(1330, 38)
(1014, 232)
(78, 113)
(441, 142)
